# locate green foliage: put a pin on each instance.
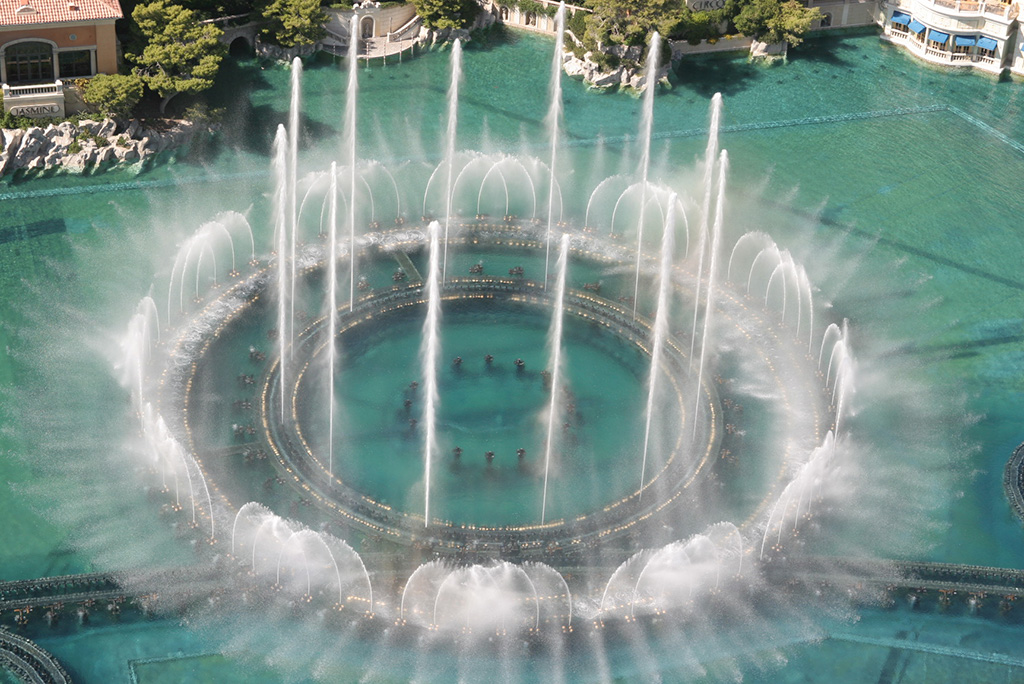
(443, 14)
(773, 21)
(75, 147)
(181, 55)
(112, 94)
(201, 113)
(294, 22)
(535, 7)
(630, 22)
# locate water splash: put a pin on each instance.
(716, 238)
(710, 153)
(453, 121)
(555, 354)
(430, 348)
(661, 326)
(350, 143)
(553, 120)
(646, 124)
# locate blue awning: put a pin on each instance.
(900, 18)
(937, 36)
(986, 43)
(965, 41)
(916, 26)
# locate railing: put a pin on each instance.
(55, 88)
(999, 9)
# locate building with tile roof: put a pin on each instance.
(46, 44)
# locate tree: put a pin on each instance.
(773, 21)
(294, 22)
(181, 55)
(447, 14)
(113, 94)
(631, 21)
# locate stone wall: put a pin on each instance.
(88, 144)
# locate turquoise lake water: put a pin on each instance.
(896, 185)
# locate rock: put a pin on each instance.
(12, 141)
(89, 125)
(143, 147)
(107, 128)
(105, 155)
(35, 163)
(132, 131)
(51, 131)
(603, 80)
(54, 158)
(32, 144)
(574, 66)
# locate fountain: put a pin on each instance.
(355, 523)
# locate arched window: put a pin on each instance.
(531, 19)
(29, 62)
(504, 13)
(366, 27)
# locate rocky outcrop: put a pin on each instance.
(88, 144)
(634, 77)
(430, 36)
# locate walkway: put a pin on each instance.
(1013, 481)
(28, 662)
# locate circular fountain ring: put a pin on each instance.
(300, 461)
(807, 410)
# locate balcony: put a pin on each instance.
(928, 52)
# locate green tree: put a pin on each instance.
(773, 21)
(632, 21)
(445, 14)
(294, 22)
(181, 55)
(112, 94)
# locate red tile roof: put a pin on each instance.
(28, 12)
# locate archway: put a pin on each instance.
(366, 27)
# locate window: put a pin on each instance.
(75, 63)
(29, 63)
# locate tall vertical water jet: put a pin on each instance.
(430, 348)
(646, 124)
(449, 149)
(555, 354)
(716, 238)
(350, 144)
(293, 163)
(332, 311)
(553, 119)
(281, 230)
(710, 153)
(660, 331)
